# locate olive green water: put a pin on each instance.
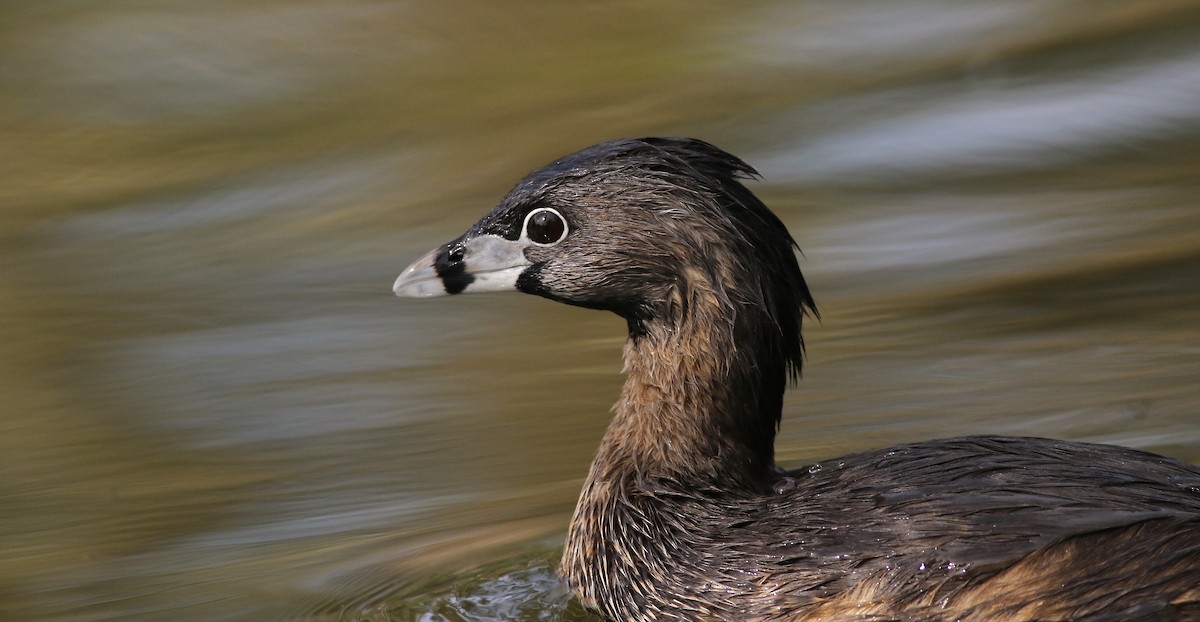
(214, 409)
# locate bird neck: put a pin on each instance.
(700, 405)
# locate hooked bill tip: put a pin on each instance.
(420, 280)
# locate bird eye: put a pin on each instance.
(545, 226)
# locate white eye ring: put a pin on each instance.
(545, 237)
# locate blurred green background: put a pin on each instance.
(214, 409)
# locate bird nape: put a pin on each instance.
(683, 514)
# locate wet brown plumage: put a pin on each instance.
(683, 515)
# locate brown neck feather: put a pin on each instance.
(701, 400)
(697, 414)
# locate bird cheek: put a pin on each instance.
(530, 281)
(553, 280)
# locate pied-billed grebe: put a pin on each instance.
(684, 516)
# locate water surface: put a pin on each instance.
(215, 409)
